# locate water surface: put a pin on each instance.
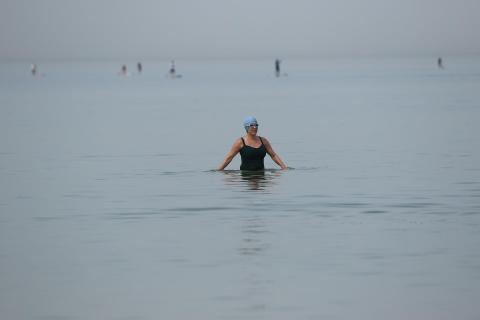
(110, 209)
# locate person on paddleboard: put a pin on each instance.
(252, 148)
(277, 67)
(172, 70)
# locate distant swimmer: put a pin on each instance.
(33, 69)
(139, 67)
(277, 67)
(440, 63)
(252, 149)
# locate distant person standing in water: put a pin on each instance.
(252, 148)
(33, 69)
(440, 63)
(139, 67)
(277, 67)
(124, 70)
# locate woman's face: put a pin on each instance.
(253, 128)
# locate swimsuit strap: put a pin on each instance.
(245, 144)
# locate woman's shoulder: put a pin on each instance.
(238, 142)
(264, 140)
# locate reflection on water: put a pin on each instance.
(255, 239)
(253, 230)
(252, 180)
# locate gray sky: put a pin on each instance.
(155, 29)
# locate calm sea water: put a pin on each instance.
(110, 209)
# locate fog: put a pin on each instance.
(148, 29)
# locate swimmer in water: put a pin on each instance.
(252, 149)
(139, 67)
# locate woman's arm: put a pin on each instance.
(275, 157)
(237, 145)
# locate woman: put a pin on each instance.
(252, 149)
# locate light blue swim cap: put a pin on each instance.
(249, 121)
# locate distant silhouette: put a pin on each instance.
(440, 63)
(172, 69)
(124, 70)
(33, 69)
(277, 67)
(139, 67)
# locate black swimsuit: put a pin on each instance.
(252, 158)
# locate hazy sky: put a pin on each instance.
(151, 29)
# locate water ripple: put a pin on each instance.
(374, 211)
(200, 209)
(414, 205)
(347, 204)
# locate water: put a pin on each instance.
(110, 209)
